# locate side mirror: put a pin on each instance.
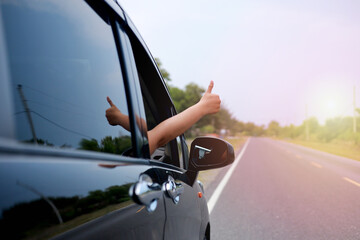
(209, 153)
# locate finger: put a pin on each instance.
(109, 101)
(211, 85)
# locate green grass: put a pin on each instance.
(236, 142)
(340, 148)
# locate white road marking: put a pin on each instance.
(352, 181)
(215, 196)
(316, 164)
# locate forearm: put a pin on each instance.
(178, 124)
(124, 122)
(174, 126)
(118, 118)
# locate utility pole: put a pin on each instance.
(54, 208)
(27, 110)
(306, 123)
(354, 119)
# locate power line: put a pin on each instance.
(28, 111)
(55, 98)
(58, 125)
(60, 109)
(17, 113)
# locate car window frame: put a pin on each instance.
(167, 109)
(184, 148)
(132, 89)
(115, 16)
(7, 128)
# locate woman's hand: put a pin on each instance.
(113, 114)
(210, 102)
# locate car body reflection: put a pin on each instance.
(52, 204)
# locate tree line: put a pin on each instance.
(224, 123)
(338, 128)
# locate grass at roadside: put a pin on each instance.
(207, 176)
(236, 142)
(343, 149)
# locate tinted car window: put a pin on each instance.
(63, 66)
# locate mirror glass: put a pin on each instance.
(210, 152)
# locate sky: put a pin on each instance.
(270, 60)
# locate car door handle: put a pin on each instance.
(145, 192)
(174, 189)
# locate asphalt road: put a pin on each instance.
(279, 190)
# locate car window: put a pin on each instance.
(157, 103)
(63, 65)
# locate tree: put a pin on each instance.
(108, 144)
(239, 126)
(273, 129)
(250, 129)
(290, 131)
(335, 128)
(193, 94)
(185, 99)
(164, 73)
(178, 97)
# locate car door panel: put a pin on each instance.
(71, 198)
(183, 219)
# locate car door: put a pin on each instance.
(65, 173)
(186, 209)
(183, 201)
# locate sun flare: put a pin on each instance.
(330, 107)
(329, 101)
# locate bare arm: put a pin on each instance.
(178, 124)
(171, 127)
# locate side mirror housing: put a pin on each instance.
(209, 153)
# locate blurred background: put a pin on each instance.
(283, 69)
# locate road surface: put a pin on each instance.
(278, 190)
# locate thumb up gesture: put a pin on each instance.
(210, 102)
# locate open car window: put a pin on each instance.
(157, 103)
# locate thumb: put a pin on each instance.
(211, 85)
(110, 102)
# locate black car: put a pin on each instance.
(65, 173)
